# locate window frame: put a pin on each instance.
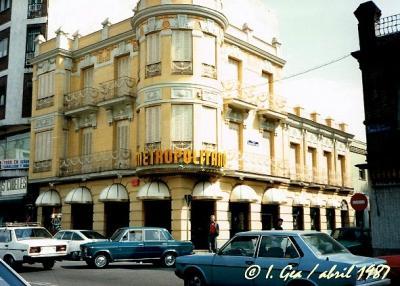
(257, 245)
(292, 241)
(149, 60)
(154, 140)
(182, 139)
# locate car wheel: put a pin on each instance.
(100, 260)
(49, 264)
(169, 259)
(10, 261)
(194, 279)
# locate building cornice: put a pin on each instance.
(253, 49)
(168, 9)
(51, 54)
(319, 126)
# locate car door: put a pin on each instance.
(5, 239)
(230, 263)
(277, 256)
(154, 243)
(131, 245)
(67, 237)
(75, 243)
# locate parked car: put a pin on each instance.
(8, 277)
(136, 244)
(75, 238)
(355, 239)
(20, 243)
(279, 258)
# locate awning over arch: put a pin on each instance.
(300, 200)
(80, 195)
(317, 202)
(50, 198)
(154, 191)
(114, 193)
(274, 196)
(332, 203)
(205, 190)
(243, 193)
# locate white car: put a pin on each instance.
(29, 244)
(75, 238)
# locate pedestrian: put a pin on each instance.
(279, 224)
(213, 232)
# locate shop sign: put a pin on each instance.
(13, 164)
(201, 157)
(14, 186)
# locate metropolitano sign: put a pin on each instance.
(187, 157)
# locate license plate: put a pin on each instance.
(48, 249)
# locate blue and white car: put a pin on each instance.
(282, 258)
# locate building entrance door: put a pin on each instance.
(157, 213)
(200, 220)
(269, 216)
(116, 215)
(239, 217)
(82, 216)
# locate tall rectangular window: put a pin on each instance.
(341, 170)
(327, 169)
(153, 124)
(153, 48)
(87, 77)
(43, 146)
(4, 5)
(209, 125)
(233, 71)
(294, 160)
(182, 123)
(3, 47)
(46, 85)
(86, 141)
(31, 35)
(268, 81)
(311, 161)
(3, 96)
(122, 135)
(182, 45)
(123, 67)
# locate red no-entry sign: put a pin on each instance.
(359, 202)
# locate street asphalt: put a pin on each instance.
(68, 273)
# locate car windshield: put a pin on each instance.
(323, 244)
(92, 234)
(31, 233)
(118, 234)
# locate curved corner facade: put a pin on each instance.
(174, 115)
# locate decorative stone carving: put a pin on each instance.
(85, 120)
(46, 66)
(210, 96)
(182, 93)
(41, 123)
(182, 21)
(152, 95)
(208, 26)
(294, 132)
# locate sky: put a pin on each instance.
(312, 33)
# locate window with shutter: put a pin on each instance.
(232, 73)
(46, 85)
(86, 141)
(43, 141)
(153, 124)
(122, 135)
(182, 123)
(182, 52)
(153, 48)
(87, 77)
(209, 125)
(123, 67)
(209, 50)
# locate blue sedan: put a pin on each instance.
(282, 258)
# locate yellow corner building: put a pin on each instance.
(171, 116)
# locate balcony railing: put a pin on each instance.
(42, 166)
(234, 90)
(35, 10)
(123, 86)
(388, 25)
(181, 145)
(96, 162)
(28, 57)
(152, 146)
(81, 98)
(248, 162)
(182, 67)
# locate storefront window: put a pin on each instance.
(15, 147)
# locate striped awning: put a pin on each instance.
(274, 196)
(154, 191)
(114, 193)
(79, 195)
(243, 193)
(205, 190)
(49, 198)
